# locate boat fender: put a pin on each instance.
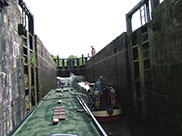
(110, 111)
(55, 121)
(59, 102)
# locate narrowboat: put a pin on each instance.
(111, 110)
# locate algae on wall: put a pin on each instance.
(166, 28)
(11, 91)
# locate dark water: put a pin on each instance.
(128, 126)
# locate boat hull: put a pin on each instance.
(103, 115)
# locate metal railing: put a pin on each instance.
(145, 8)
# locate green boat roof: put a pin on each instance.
(39, 123)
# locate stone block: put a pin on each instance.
(3, 45)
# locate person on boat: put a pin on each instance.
(100, 86)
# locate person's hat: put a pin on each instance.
(102, 78)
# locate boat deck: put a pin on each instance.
(39, 123)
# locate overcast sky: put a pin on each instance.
(70, 27)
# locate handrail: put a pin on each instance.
(85, 107)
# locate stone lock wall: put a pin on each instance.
(166, 41)
(155, 68)
(12, 68)
(46, 69)
(11, 90)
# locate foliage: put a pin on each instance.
(32, 58)
(54, 57)
(14, 69)
(72, 57)
(26, 80)
(23, 59)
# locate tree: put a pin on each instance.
(72, 57)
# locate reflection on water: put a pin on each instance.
(128, 126)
